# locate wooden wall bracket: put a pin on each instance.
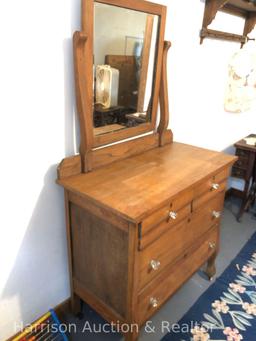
(250, 23)
(239, 8)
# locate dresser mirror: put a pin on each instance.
(118, 59)
(124, 48)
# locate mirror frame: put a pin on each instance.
(83, 53)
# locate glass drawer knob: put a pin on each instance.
(216, 214)
(153, 302)
(215, 187)
(212, 245)
(155, 264)
(173, 215)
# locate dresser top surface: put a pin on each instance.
(137, 185)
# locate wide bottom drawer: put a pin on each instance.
(161, 288)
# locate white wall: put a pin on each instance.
(110, 36)
(38, 130)
(198, 77)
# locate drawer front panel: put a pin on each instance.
(159, 290)
(242, 152)
(173, 244)
(242, 162)
(239, 173)
(169, 222)
(212, 185)
(163, 214)
(204, 198)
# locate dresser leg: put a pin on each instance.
(211, 267)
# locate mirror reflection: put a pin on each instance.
(125, 46)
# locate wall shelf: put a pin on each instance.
(242, 8)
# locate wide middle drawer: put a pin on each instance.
(174, 242)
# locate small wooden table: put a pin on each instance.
(245, 168)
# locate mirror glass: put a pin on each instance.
(125, 47)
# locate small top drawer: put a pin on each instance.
(173, 211)
(239, 173)
(180, 206)
(242, 162)
(243, 153)
(206, 196)
(213, 184)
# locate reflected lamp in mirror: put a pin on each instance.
(107, 85)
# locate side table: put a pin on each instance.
(245, 168)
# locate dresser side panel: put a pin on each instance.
(100, 258)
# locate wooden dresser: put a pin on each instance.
(143, 214)
(140, 227)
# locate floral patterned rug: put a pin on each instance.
(226, 311)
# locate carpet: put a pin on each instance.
(226, 311)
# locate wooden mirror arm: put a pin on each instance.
(164, 102)
(82, 79)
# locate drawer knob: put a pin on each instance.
(155, 264)
(212, 245)
(215, 186)
(216, 214)
(173, 215)
(153, 302)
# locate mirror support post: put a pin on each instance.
(165, 135)
(86, 130)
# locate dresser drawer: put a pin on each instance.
(213, 185)
(163, 214)
(206, 196)
(161, 288)
(242, 162)
(243, 153)
(238, 172)
(173, 244)
(171, 219)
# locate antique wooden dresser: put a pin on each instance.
(142, 215)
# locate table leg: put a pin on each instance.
(244, 201)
